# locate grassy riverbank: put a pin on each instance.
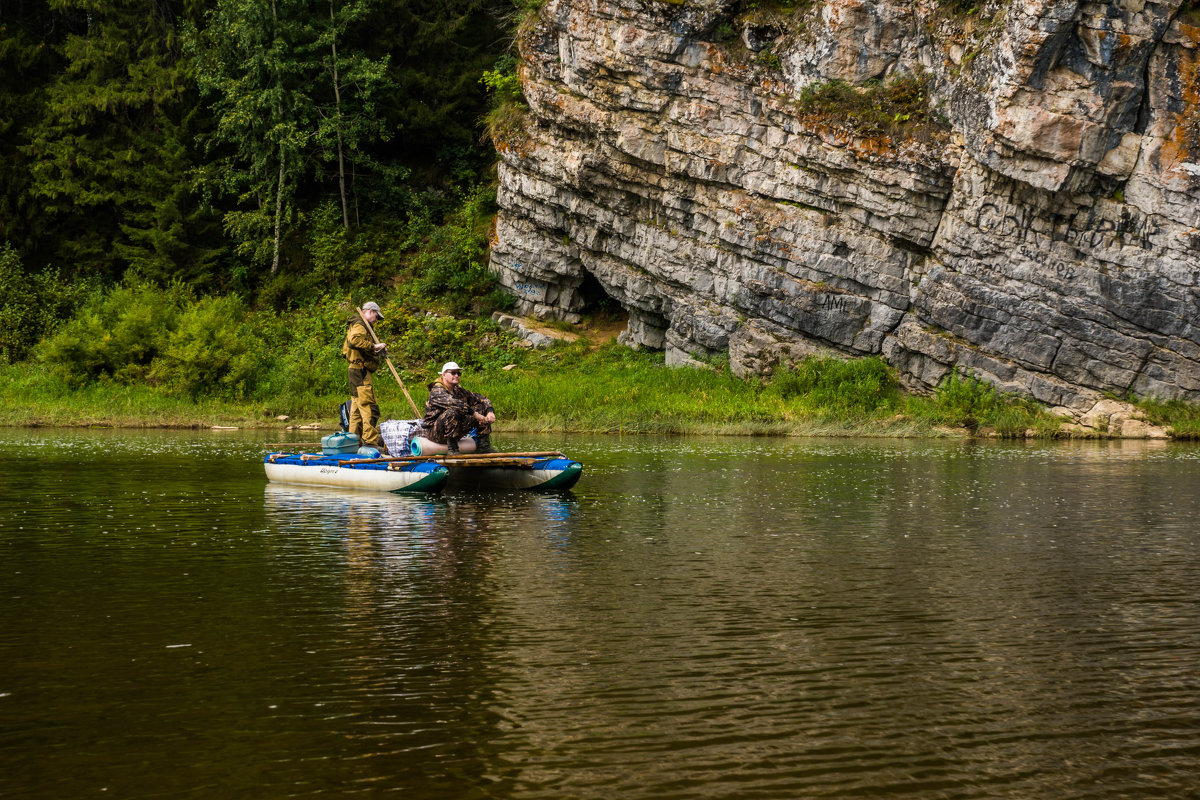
(578, 388)
(141, 353)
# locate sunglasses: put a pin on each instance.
(454, 371)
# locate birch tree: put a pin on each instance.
(287, 99)
(351, 120)
(250, 64)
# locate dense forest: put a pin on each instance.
(208, 141)
(267, 152)
(234, 145)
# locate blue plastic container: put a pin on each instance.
(340, 444)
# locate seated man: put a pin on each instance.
(451, 412)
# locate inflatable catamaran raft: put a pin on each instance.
(420, 472)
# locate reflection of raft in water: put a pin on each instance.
(545, 471)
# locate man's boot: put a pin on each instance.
(452, 446)
(483, 444)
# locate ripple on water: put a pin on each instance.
(708, 618)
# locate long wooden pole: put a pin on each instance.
(395, 374)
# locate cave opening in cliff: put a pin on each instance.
(597, 303)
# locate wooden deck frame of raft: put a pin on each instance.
(518, 460)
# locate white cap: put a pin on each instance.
(449, 365)
(373, 306)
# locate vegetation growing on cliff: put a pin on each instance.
(508, 112)
(898, 108)
(960, 6)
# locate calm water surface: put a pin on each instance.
(699, 618)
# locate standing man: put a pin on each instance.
(451, 412)
(363, 353)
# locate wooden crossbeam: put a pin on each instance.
(454, 459)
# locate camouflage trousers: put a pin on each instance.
(364, 411)
(454, 424)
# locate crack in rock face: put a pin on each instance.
(1013, 192)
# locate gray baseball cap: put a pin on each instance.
(373, 306)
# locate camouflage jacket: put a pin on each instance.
(460, 401)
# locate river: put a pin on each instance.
(699, 618)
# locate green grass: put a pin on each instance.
(41, 398)
(967, 402)
(620, 390)
(610, 389)
(1181, 419)
(614, 389)
(571, 388)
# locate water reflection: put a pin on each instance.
(709, 618)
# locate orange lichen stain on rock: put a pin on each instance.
(505, 147)
(1124, 46)
(1184, 142)
(1187, 28)
(874, 147)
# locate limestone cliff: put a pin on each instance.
(1041, 227)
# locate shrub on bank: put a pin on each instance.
(211, 351)
(32, 306)
(301, 352)
(289, 348)
(450, 268)
(965, 401)
(115, 335)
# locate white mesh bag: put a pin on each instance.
(396, 433)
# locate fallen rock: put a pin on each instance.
(532, 333)
(1137, 429)
(1120, 419)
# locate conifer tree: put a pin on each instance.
(249, 66)
(28, 60)
(111, 147)
(433, 99)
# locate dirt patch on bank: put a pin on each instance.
(602, 328)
